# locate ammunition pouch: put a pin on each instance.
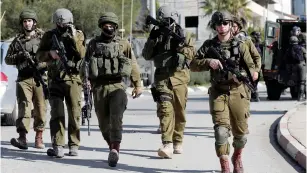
(160, 96)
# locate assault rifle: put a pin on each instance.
(229, 66)
(59, 46)
(37, 74)
(87, 108)
(164, 26)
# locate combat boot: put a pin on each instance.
(114, 154)
(73, 150)
(166, 151)
(237, 161)
(56, 151)
(39, 140)
(20, 142)
(178, 148)
(224, 164)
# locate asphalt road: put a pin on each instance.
(140, 143)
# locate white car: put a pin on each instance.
(8, 101)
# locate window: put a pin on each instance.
(191, 21)
(271, 32)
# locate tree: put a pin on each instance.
(235, 7)
(86, 13)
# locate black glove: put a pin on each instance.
(154, 34)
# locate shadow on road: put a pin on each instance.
(34, 156)
(281, 151)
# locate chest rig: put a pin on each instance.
(31, 46)
(167, 58)
(108, 61)
(230, 51)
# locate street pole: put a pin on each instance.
(123, 4)
(153, 14)
(131, 19)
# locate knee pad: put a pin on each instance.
(118, 101)
(221, 135)
(239, 141)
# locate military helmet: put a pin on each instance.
(108, 17)
(293, 40)
(27, 14)
(302, 38)
(62, 16)
(167, 12)
(241, 22)
(218, 17)
(256, 34)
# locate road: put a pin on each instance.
(140, 143)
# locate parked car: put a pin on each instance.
(8, 101)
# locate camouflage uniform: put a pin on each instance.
(296, 60)
(254, 52)
(63, 83)
(228, 99)
(27, 90)
(110, 59)
(170, 81)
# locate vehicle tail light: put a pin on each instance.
(3, 77)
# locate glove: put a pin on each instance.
(22, 55)
(154, 34)
(136, 92)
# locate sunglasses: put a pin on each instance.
(223, 23)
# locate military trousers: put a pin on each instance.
(27, 94)
(230, 112)
(302, 76)
(70, 91)
(110, 103)
(171, 112)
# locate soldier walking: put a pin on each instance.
(228, 97)
(64, 82)
(296, 60)
(171, 58)
(239, 33)
(22, 50)
(107, 68)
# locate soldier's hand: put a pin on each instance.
(255, 76)
(54, 54)
(136, 92)
(215, 64)
(22, 55)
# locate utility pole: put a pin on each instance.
(122, 30)
(131, 19)
(153, 14)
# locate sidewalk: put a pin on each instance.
(291, 133)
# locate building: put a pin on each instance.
(193, 19)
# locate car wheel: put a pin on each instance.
(10, 119)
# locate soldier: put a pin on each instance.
(228, 98)
(135, 77)
(107, 67)
(238, 31)
(256, 38)
(172, 75)
(27, 91)
(296, 57)
(64, 80)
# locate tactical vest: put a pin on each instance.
(108, 61)
(31, 46)
(232, 52)
(167, 57)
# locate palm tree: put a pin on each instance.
(209, 6)
(235, 7)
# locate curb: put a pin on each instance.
(296, 150)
